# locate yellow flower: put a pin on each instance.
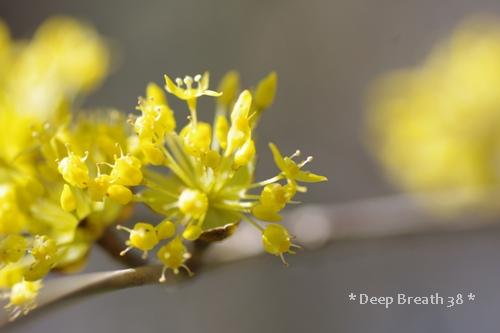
(22, 297)
(277, 241)
(190, 92)
(293, 171)
(173, 255)
(273, 199)
(74, 169)
(143, 237)
(436, 127)
(265, 92)
(126, 171)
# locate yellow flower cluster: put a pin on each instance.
(66, 176)
(437, 127)
(209, 182)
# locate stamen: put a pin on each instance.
(162, 277)
(120, 148)
(190, 272)
(283, 259)
(68, 149)
(266, 182)
(124, 252)
(172, 205)
(120, 227)
(252, 222)
(197, 77)
(188, 80)
(304, 162)
(296, 154)
(178, 81)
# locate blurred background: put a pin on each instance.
(326, 54)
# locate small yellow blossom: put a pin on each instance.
(22, 297)
(99, 187)
(293, 171)
(190, 93)
(265, 92)
(143, 237)
(272, 200)
(173, 255)
(277, 240)
(74, 169)
(126, 171)
(43, 248)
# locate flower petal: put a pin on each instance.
(309, 177)
(278, 158)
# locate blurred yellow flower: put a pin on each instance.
(437, 127)
(40, 215)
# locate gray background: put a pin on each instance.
(326, 53)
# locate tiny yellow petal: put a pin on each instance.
(68, 200)
(119, 194)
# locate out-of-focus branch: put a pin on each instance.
(314, 226)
